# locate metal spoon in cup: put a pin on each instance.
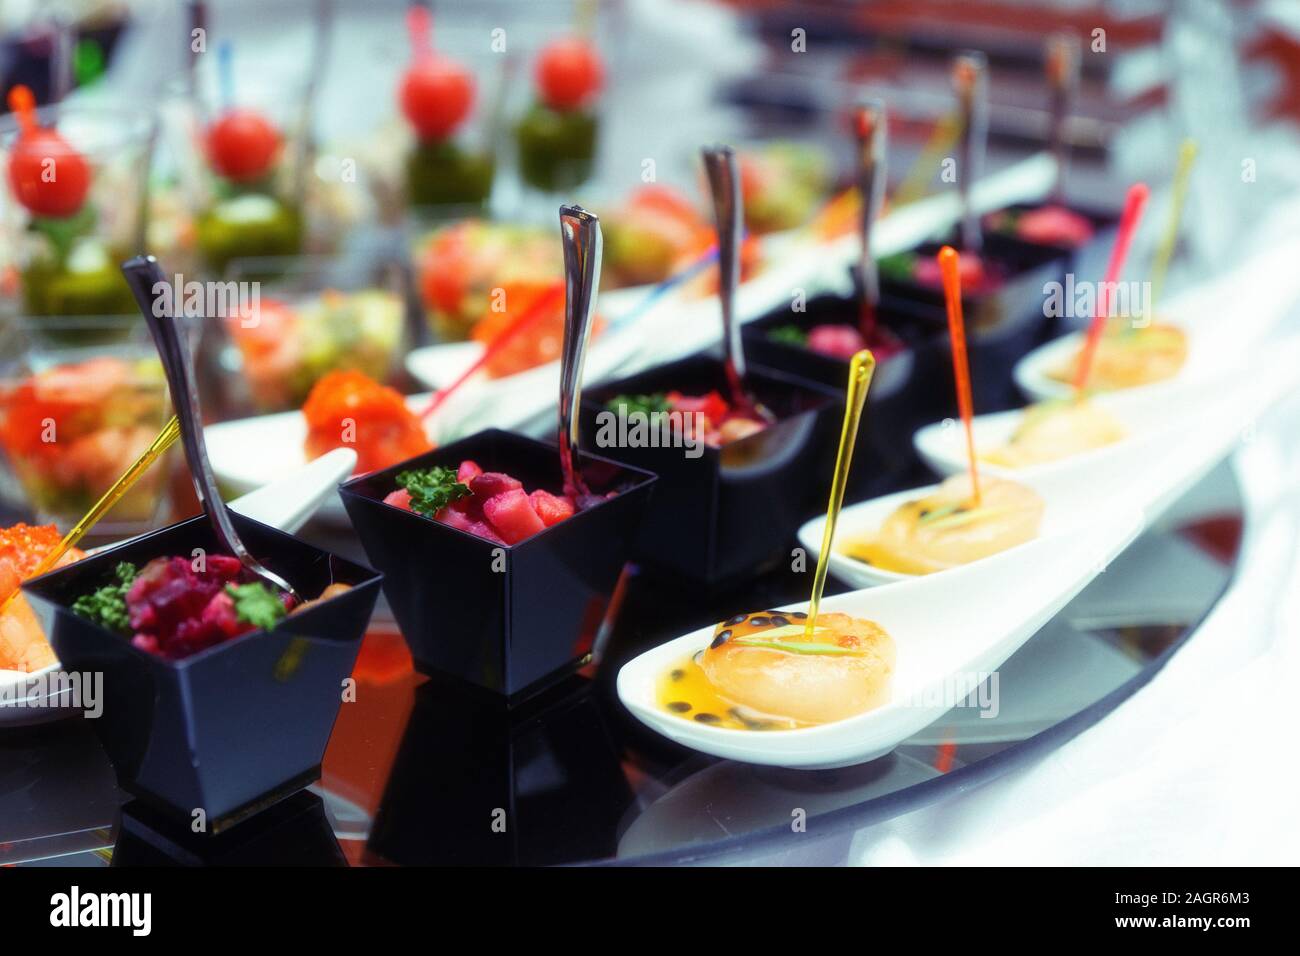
(870, 131)
(970, 80)
(143, 276)
(583, 244)
(723, 169)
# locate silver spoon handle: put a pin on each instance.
(723, 170)
(870, 128)
(580, 234)
(1063, 53)
(145, 278)
(970, 79)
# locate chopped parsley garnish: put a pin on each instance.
(107, 606)
(645, 404)
(432, 489)
(900, 265)
(256, 604)
(788, 335)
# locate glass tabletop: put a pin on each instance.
(423, 771)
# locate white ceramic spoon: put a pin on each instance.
(1206, 351)
(949, 631)
(1069, 504)
(286, 504)
(1210, 413)
(1147, 474)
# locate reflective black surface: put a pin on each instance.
(720, 517)
(425, 771)
(231, 729)
(509, 619)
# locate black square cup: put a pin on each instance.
(883, 454)
(511, 619)
(733, 511)
(238, 726)
(1002, 325)
(1088, 260)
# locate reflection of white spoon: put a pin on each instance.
(286, 504)
(727, 799)
(949, 630)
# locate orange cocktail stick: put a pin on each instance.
(540, 308)
(23, 105)
(1134, 203)
(950, 269)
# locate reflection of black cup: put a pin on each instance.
(476, 782)
(294, 832)
(731, 511)
(508, 618)
(1002, 323)
(235, 727)
(883, 453)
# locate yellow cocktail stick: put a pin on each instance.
(1165, 251)
(170, 432)
(860, 370)
(945, 134)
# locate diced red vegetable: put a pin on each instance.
(512, 515)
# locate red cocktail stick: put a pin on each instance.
(23, 104)
(950, 269)
(419, 27)
(1134, 203)
(540, 308)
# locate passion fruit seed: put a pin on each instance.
(679, 706)
(708, 718)
(722, 638)
(738, 619)
(779, 621)
(799, 616)
(677, 673)
(760, 621)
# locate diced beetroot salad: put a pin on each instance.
(175, 607)
(490, 504)
(719, 422)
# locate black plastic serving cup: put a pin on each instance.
(511, 619)
(1088, 260)
(883, 454)
(238, 726)
(733, 511)
(1001, 325)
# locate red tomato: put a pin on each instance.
(47, 175)
(243, 145)
(436, 95)
(569, 73)
(444, 271)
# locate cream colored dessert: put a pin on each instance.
(1127, 357)
(946, 529)
(763, 672)
(1050, 431)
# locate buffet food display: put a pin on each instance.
(529, 570)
